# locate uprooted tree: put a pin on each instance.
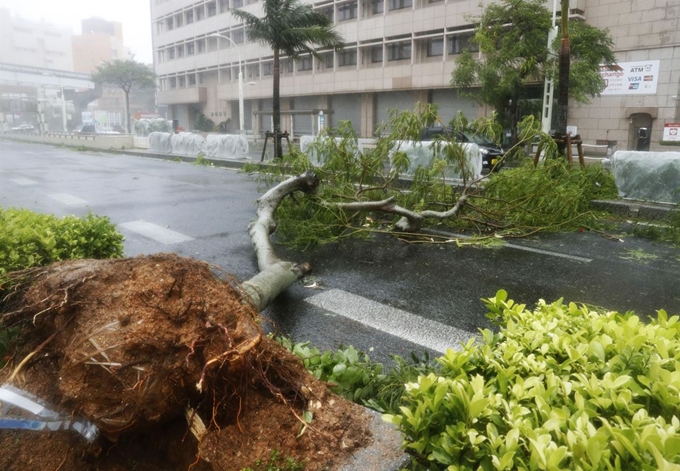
(153, 351)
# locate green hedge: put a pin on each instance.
(30, 239)
(562, 387)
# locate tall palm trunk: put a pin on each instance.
(127, 111)
(276, 107)
(563, 85)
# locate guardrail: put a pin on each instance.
(92, 141)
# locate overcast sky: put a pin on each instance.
(133, 14)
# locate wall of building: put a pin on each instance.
(644, 31)
(395, 58)
(34, 43)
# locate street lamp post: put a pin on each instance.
(63, 101)
(241, 117)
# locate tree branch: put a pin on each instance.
(275, 274)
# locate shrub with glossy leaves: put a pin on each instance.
(560, 387)
(29, 239)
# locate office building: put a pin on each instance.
(398, 53)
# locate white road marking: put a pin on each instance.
(548, 252)
(23, 181)
(68, 200)
(517, 247)
(415, 329)
(155, 232)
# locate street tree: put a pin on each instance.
(512, 37)
(292, 29)
(126, 75)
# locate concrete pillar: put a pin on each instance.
(367, 114)
(422, 97)
(286, 119)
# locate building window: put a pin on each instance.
(435, 47)
(400, 4)
(178, 21)
(190, 49)
(458, 44)
(169, 24)
(192, 80)
(182, 81)
(327, 12)
(305, 63)
(200, 46)
(189, 16)
(224, 6)
(238, 36)
(173, 82)
(328, 60)
(180, 51)
(399, 51)
(171, 53)
(377, 6)
(347, 11)
(268, 68)
(237, 3)
(377, 53)
(212, 9)
(348, 57)
(200, 13)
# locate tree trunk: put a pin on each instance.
(275, 275)
(276, 106)
(563, 84)
(127, 110)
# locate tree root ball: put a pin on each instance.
(132, 344)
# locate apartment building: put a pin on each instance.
(34, 43)
(398, 53)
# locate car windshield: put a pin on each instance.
(479, 139)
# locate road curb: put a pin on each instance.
(637, 209)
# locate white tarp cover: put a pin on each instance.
(146, 126)
(311, 152)
(186, 143)
(647, 176)
(422, 154)
(160, 142)
(230, 146)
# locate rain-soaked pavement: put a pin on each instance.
(382, 295)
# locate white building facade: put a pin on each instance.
(398, 53)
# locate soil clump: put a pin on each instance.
(142, 348)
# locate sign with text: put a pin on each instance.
(630, 78)
(671, 132)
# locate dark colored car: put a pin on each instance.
(491, 153)
(87, 129)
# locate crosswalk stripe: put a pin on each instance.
(23, 181)
(155, 232)
(68, 200)
(424, 332)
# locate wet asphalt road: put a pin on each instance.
(211, 209)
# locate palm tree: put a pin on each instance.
(291, 28)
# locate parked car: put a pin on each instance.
(24, 128)
(91, 130)
(491, 153)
